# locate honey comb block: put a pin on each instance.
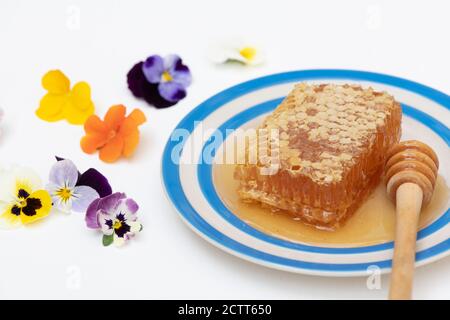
(332, 147)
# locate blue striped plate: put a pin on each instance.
(189, 185)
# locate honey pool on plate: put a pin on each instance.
(372, 223)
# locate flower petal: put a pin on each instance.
(58, 202)
(83, 196)
(94, 179)
(129, 208)
(170, 61)
(118, 241)
(131, 141)
(56, 82)
(112, 150)
(81, 95)
(132, 206)
(75, 115)
(17, 178)
(181, 74)
(8, 220)
(106, 222)
(115, 116)
(91, 217)
(96, 134)
(137, 116)
(153, 68)
(63, 205)
(92, 142)
(95, 125)
(131, 123)
(51, 107)
(153, 97)
(136, 80)
(109, 204)
(39, 204)
(172, 91)
(79, 105)
(64, 174)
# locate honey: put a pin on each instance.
(373, 223)
(332, 143)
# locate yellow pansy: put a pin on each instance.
(22, 200)
(61, 102)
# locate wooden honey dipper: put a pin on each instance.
(411, 172)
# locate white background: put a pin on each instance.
(60, 258)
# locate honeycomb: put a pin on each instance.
(331, 148)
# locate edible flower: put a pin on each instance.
(61, 102)
(115, 136)
(116, 216)
(161, 81)
(65, 192)
(22, 200)
(94, 179)
(236, 51)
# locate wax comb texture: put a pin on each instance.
(333, 141)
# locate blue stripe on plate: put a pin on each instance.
(205, 178)
(170, 170)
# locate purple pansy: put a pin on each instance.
(116, 216)
(66, 194)
(94, 179)
(162, 82)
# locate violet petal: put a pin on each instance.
(170, 61)
(94, 179)
(132, 206)
(182, 75)
(153, 68)
(92, 215)
(83, 197)
(64, 174)
(172, 91)
(110, 203)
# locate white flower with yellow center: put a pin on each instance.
(22, 198)
(66, 194)
(237, 51)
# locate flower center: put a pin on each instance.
(112, 134)
(166, 76)
(248, 53)
(117, 224)
(64, 194)
(22, 203)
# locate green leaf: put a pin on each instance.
(107, 240)
(142, 227)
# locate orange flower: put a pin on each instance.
(115, 136)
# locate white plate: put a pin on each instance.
(189, 185)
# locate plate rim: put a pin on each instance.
(279, 78)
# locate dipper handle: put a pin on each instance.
(409, 202)
(411, 172)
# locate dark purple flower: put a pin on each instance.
(94, 179)
(162, 82)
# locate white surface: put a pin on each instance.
(60, 258)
